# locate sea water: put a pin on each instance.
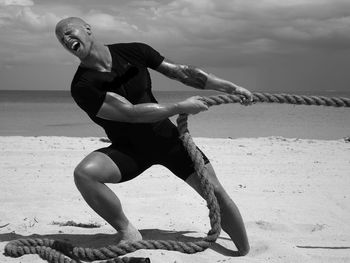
(54, 113)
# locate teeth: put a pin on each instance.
(75, 46)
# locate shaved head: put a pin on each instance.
(75, 35)
(73, 21)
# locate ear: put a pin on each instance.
(88, 29)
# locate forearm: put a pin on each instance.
(195, 77)
(117, 108)
(215, 83)
(200, 79)
(153, 112)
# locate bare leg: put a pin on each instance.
(231, 219)
(90, 177)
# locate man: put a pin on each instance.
(113, 86)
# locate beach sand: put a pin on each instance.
(294, 196)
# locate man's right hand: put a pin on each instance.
(192, 105)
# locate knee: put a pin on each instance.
(244, 250)
(83, 173)
(89, 169)
(96, 168)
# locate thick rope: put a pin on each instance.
(62, 252)
(281, 98)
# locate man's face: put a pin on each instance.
(75, 36)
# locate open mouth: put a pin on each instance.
(75, 46)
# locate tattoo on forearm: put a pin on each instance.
(194, 77)
(188, 75)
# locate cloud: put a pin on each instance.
(209, 31)
(271, 25)
(26, 16)
(31, 20)
(107, 22)
(16, 2)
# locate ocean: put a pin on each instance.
(54, 113)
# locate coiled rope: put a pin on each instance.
(63, 252)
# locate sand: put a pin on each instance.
(294, 196)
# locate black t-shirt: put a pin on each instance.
(129, 78)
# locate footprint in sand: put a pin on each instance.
(269, 226)
(311, 228)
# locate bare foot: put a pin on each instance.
(131, 234)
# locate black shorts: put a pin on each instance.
(162, 146)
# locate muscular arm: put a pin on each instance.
(117, 108)
(195, 77)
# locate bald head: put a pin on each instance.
(75, 35)
(69, 21)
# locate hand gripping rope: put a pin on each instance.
(62, 252)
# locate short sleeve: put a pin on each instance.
(151, 56)
(89, 98)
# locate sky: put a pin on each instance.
(264, 46)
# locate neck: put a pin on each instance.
(99, 58)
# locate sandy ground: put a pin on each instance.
(294, 196)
